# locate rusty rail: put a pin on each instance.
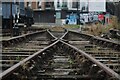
(18, 39)
(64, 34)
(63, 41)
(105, 68)
(18, 65)
(98, 40)
(55, 38)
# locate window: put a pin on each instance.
(64, 3)
(29, 3)
(58, 3)
(39, 4)
(75, 4)
(84, 6)
(49, 4)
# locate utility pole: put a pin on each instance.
(11, 19)
(78, 13)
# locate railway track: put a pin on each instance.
(102, 50)
(16, 49)
(64, 55)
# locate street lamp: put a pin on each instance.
(78, 13)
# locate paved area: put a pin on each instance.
(45, 25)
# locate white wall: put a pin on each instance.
(97, 5)
(55, 4)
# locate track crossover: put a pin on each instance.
(59, 55)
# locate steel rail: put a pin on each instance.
(98, 40)
(64, 35)
(107, 42)
(19, 38)
(16, 66)
(105, 68)
(95, 37)
(24, 35)
(15, 38)
(55, 38)
(61, 38)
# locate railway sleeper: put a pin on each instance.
(70, 64)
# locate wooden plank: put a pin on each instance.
(9, 61)
(15, 53)
(109, 61)
(3, 55)
(115, 58)
(102, 52)
(79, 42)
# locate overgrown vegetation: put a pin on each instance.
(98, 29)
(70, 26)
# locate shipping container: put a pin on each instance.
(6, 10)
(22, 8)
(6, 7)
(15, 13)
